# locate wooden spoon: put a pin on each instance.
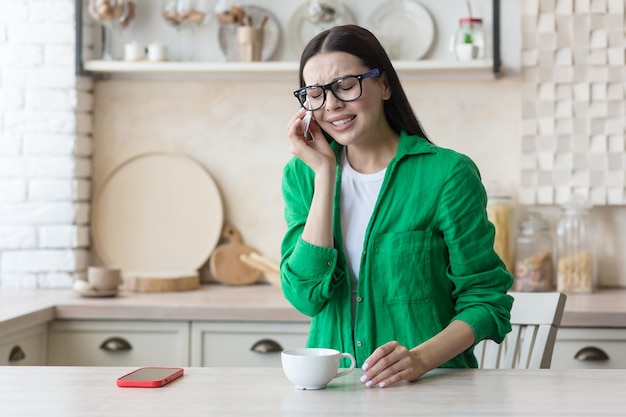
(225, 263)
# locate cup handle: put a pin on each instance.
(352, 364)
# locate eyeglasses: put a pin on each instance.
(348, 88)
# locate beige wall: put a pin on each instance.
(236, 129)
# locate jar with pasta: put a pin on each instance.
(576, 265)
(499, 212)
(534, 267)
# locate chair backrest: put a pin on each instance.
(535, 318)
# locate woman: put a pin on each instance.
(388, 246)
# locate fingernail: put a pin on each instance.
(365, 366)
(364, 378)
(368, 384)
(382, 384)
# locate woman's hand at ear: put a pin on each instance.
(316, 153)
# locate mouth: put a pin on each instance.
(342, 121)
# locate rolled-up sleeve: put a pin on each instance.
(480, 278)
(308, 272)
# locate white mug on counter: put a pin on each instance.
(102, 278)
(314, 368)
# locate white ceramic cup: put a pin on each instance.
(133, 51)
(156, 52)
(104, 278)
(314, 368)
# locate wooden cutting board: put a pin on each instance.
(225, 263)
(157, 212)
(160, 282)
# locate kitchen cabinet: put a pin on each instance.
(24, 347)
(590, 348)
(118, 343)
(244, 344)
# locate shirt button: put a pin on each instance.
(359, 344)
(359, 299)
(329, 263)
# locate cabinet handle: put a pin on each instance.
(266, 346)
(16, 354)
(116, 344)
(591, 353)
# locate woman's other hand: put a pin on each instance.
(391, 363)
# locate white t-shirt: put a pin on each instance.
(359, 193)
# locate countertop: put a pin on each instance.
(262, 302)
(260, 392)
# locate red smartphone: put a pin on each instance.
(150, 377)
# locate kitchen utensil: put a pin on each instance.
(254, 15)
(225, 263)
(157, 212)
(270, 269)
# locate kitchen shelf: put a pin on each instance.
(426, 69)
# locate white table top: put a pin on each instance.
(259, 392)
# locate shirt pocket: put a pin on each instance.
(401, 269)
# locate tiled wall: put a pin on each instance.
(45, 146)
(573, 112)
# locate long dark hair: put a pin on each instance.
(362, 43)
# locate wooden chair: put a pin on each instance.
(535, 318)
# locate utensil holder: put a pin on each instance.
(250, 41)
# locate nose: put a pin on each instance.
(332, 102)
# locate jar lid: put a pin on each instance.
(534, 223)
(470, 20)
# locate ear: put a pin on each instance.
(386, 88)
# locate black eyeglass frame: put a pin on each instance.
(375, 72)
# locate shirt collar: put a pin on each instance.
(408, 145)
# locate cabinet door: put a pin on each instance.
(119, 343)
(24, 347)
(589, 348)
(244, 344)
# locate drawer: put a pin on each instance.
(583, 348)
(244, 344)
(24, 347)
(119, 343)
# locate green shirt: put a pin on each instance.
(428, 258)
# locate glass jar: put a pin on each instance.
(499, 210)
(534, 268)
(576, 266)
(468, 42)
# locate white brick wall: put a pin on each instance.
(45, 147)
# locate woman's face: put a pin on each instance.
(358, 121)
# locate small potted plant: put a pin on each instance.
(466, 50)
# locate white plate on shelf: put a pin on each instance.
(301, 30)
(227, 34)
(404, 27)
